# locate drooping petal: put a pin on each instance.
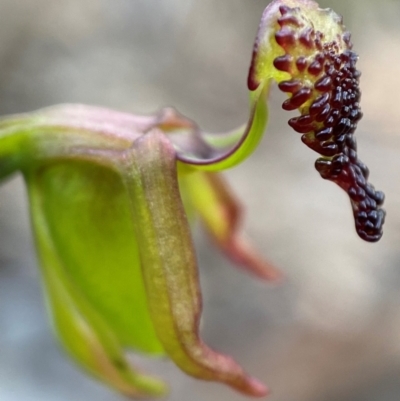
(221, 213)
(83, 332)
(169, 263)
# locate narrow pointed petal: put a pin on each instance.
(221, 213)
(169, 264)
(81, 330)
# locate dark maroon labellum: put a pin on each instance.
(330, 117)
(324, 84)
(301, 64)
(285, 37)
(291, 86)
(297, 99)
(283, 63)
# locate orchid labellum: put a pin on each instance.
(112, 196)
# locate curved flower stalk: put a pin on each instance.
(112, 195)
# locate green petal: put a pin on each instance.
(87, 212)
(169, 263)
(82, 331)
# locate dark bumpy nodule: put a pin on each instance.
(330, 110)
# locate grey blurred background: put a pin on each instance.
(331, 332)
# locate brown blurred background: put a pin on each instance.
(331, 332)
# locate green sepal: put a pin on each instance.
(87, 212)
(169, 263)
(82, 331)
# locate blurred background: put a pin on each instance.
(331, 331)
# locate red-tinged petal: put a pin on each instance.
(221, 213)
(169, 264)
(243, 254)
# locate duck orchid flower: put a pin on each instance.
(112, 196)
